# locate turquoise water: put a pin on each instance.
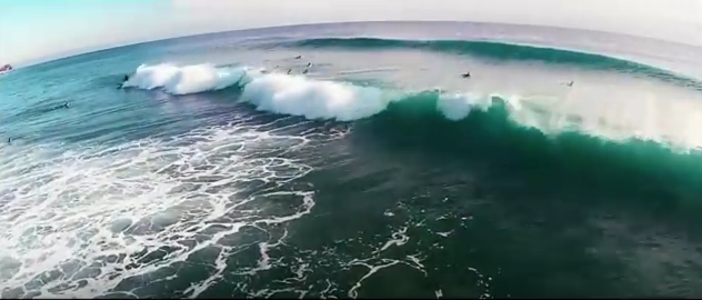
(353, 160)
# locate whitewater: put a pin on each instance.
(353, 160)
(626, 114)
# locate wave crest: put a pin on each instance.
(296, 95)
(277, 93)
(322, 99)
(181, 80)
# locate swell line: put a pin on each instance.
(502, 51)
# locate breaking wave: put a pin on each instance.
(181, 80)
(103, 220)
(655, 142)
(278, 93)
(671, 125)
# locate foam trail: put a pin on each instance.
(181, 80)
(80, 234)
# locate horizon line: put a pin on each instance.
(95, 49)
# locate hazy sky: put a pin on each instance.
(31, 29)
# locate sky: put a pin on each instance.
(36, 29)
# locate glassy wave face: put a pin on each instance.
(356, 160)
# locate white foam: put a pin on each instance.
(372, 269)
(457, 106)
(181, 80)
(634, 109)
(616, 116)
(68, 216)
(277, 93)
(297, 95)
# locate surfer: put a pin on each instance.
(64, 105)
(570, 83)
(124, 80)
(289, 71)
(466, 75)
(298, 57)
(307, 68)
(9, 140)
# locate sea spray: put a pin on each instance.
(297, 95)
(181, 80)
(278, 93)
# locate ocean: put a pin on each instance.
(354, 160)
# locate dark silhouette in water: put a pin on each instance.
(305, 71)
(124, 80)
(9, 140)
(64, 105)
(298, 57)
(289, 71)
(570, 83)
(6, 68)
(466, 75)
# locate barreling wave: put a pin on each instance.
(488, 140)
(502, 51)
